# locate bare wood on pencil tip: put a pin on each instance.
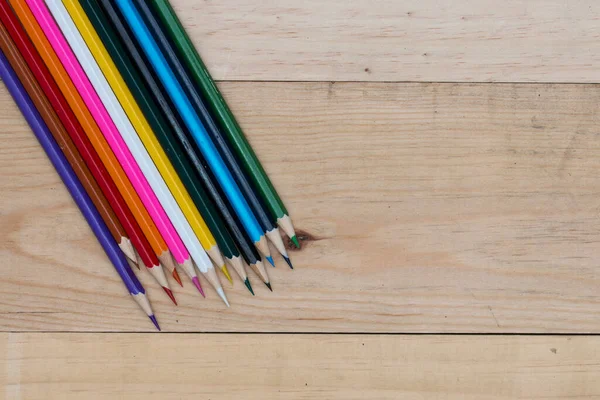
(166, 259)
(215, 255)
(128, 249)
(275, 238)
(238, 265)
(158, 274)
(285, 223)
(263, 246)
(260, 270)
(188, 268)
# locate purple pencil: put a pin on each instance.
(77, 191)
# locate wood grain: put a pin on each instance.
(423, 208)
(149, 366)
(388, 40)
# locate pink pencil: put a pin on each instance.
(113, 137)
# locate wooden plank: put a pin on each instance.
(389, 40)
(225, 366)
(422, 207)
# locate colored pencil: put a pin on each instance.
(219, 140)
(194, 125)
(221, 112)
(103, 9)
(181, 74)
(75, 188)
(141, 228)
(45, 95)
(179, 199)
(130, 137)
(112, 135)
(100, 201)
(161, 128)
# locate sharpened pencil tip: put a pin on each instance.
(270, 259)
(269, 286)
(170, 294)
(222, 296)
(177, 278)
(249, 286)
(154, 321)
(294, 240)
(197, 284)
(226, 273)
(288, 261)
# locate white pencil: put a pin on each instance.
(135, 145)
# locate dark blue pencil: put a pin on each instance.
(75, 188)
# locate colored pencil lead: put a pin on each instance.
(170, 294)
(158, 273)
(294, 240)
(144, 304)
(189, 269)
(222, 296)
(177, 278)
(198, 286)
(226, 273)
(269, 286)
(270, 259)
(287, 260)
(155, 322)
(212, 278)
(249, 286)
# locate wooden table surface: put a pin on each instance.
(440, 161)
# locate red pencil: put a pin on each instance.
(83, 145)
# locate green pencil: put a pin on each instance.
(221, 112)
(160, 127)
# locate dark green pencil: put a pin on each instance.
(103, 12)
(262, 215)
(159, 125)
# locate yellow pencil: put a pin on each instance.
(144, 131)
